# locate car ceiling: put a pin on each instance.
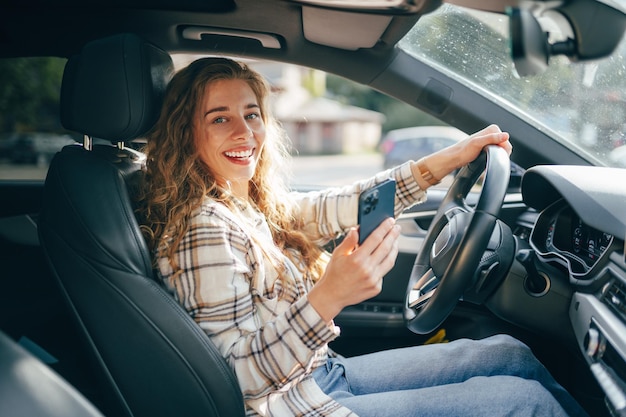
(61, 27)
(37, 27)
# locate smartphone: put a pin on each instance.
(375, 205)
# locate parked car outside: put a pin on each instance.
(35, 147)
(7, 142)
(401, 145)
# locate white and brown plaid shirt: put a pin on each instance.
(270, 335)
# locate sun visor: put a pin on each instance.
(344, 30)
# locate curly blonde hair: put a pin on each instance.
(176, 180)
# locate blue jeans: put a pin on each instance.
(496, 376)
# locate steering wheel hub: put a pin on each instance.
(447, 242)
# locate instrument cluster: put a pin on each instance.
(561, 235)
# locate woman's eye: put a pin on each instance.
(253, 116)
(219, 120)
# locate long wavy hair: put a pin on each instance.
(176, 180)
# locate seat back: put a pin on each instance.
(154, 359)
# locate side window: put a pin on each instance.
(332, 122)
(344, 132)
(30, 129)
(338, 124)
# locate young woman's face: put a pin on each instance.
(229, 133)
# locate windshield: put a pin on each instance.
(582, 105)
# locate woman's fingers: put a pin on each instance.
(354, 272)
(379, 251)
(369, 245)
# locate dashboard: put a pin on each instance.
(580, 230)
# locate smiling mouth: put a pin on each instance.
(240, 155)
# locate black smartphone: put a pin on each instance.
(375, 205)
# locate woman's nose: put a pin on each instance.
(242, 129)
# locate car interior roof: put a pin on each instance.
(225, 27)
(61, 29)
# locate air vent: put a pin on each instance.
(614, 296)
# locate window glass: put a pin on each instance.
(30, 129)
(582, 105)
(336, 126)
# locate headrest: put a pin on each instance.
(113, 89)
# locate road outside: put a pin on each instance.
(335, 170)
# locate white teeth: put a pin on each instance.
(240, 154)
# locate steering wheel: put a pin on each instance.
(452, 256)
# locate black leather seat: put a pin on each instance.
(153, 357)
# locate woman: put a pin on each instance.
(244, 257)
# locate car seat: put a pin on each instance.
(154, 359)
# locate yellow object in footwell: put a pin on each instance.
(439, 337)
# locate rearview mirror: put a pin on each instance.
(530, 49)
(589, 30)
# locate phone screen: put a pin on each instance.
(375, 205)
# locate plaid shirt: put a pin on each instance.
(269, 333)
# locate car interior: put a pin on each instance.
(84, 316)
